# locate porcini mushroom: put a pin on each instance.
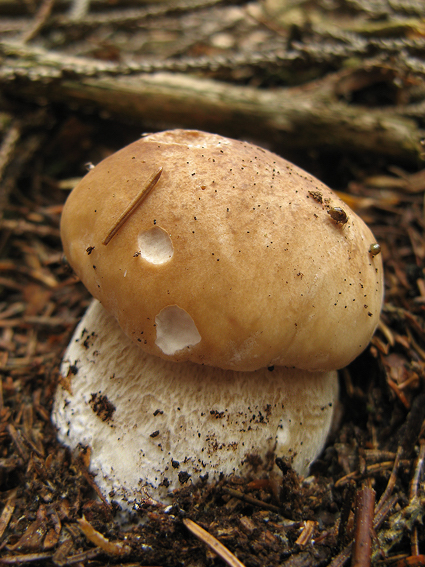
(153, 425)
(247, 271)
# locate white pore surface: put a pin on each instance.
(155, 245)
(154, 425)
(175, 330)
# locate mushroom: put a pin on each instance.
(244, 269)
(153, 425)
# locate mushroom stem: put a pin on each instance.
(154, 425)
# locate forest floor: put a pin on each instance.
(370, 473)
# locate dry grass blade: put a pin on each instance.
(112, 548)
(342, 557)
(414, 543)
(306, 534)
(26, 558)
(11, 429)
(60, 556)
(21, 227)
(418, 470)
(79, 12)
(391, 481)
(84, 468)
(39, 20)
(79, 558)
(8, 146)
(7, 512)
(212, 543)
(371, 470)
(383, 512)
(79, 9)
(251, 500)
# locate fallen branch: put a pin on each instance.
(292, 117)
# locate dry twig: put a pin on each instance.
(7, 511)
(109, 547)
(39, 20)
(212, 543)
(414, 492)
(8, 146)
(365, 504)
(391, 482)
(251, 500)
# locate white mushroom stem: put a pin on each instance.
(153, 425)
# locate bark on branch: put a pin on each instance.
(294, 117)
(306, 117)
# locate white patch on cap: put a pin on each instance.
(155, 245)
(175, 330)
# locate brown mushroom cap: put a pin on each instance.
(236, 258)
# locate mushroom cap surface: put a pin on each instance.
(154, 425)
(236, 258)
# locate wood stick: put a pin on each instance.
(391, 482)
(363, 528)
(295, 117)
(39, 20)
